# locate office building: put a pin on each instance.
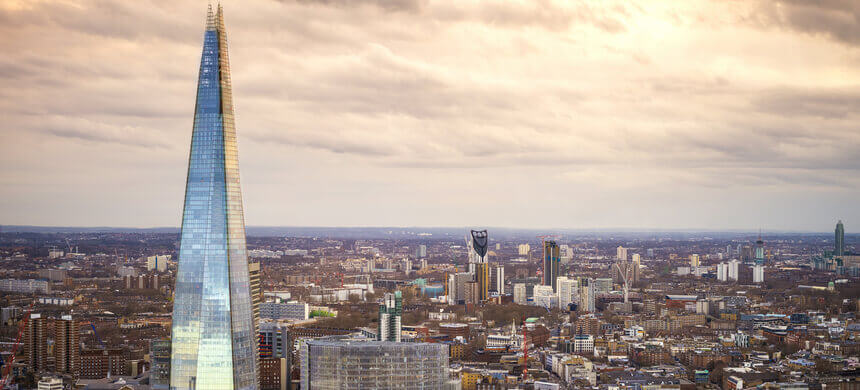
(67, 348)
(214, 340)
(285, 311)
(159, 371)
(421, 252)
(520, 297)
(335, 365)
(390, 312)
(274, 340)
(36, 343)
(839, 243)
(551, 262)
(583, 344)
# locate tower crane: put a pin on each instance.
(7, 371)
(625, 278)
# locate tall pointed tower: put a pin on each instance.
(213, 342)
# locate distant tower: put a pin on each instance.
(839, 250)
(478, 246)
(759, 250)
(551, 260)
(390, 312)
(478, 262)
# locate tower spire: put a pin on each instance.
(210, 19)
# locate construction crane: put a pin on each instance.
(7, 371)
(625, 278)
(95, 333)
(525, 351)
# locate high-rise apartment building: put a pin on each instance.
(390, 312)
(520, 296)
(36, 343)
(551, 262)
(621, 253)
(637, 268)
(497, 279)
(733, 270)
(839, 247)
(214, 339)
(587, 296)
(722, 272)
(256, 292)
(67, 348)
(694, 260)
(758, 273)
(523, 249)
(568, 292)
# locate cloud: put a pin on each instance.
(393, 112)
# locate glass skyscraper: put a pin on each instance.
(213, 342)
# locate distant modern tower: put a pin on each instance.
(213, 337)
(479, 244)
(551, 261)
(390, 312)
(839, 250)
(759, 250)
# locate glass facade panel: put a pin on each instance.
(213, 343)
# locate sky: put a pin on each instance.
(525, 114)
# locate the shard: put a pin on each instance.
(213, 340)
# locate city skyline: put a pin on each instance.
(670, 116)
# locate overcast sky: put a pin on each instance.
(533, 113)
